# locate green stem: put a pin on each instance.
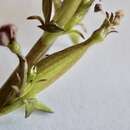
(67, 11)
(41, 47)
(10, 108)
(79, 14)
(52, 67)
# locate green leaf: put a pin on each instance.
(29, 108)
(42, 107)
(33, 104)
(47, 9)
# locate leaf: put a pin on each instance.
(29, 108)
(42, 107)
(47, 9)
(33, 104)
(36, 18)
(51, 27)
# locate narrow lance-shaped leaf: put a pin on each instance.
(51, 27)
(35, 17)
(35, 105)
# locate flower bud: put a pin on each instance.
(118, 17)
(98, 8)
(7, 34)
(120, 13)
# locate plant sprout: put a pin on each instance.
(37, 71)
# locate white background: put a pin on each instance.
(94, 94)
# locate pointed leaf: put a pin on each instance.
(36, 18)
(42, 107)
(33, 104)
(29, 108)
(51, 27)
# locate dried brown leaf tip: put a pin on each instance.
(118, 16)
(114, 19)
(109, 25)
(47, 24)
(98, 7)
(7, 34)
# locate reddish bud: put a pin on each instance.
(98, 8)
(7, 34)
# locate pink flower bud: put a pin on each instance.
(98, 8)
(7, 34)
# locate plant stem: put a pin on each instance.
(67, 11)
(79, 14)
(41, 47)
(55, 65)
